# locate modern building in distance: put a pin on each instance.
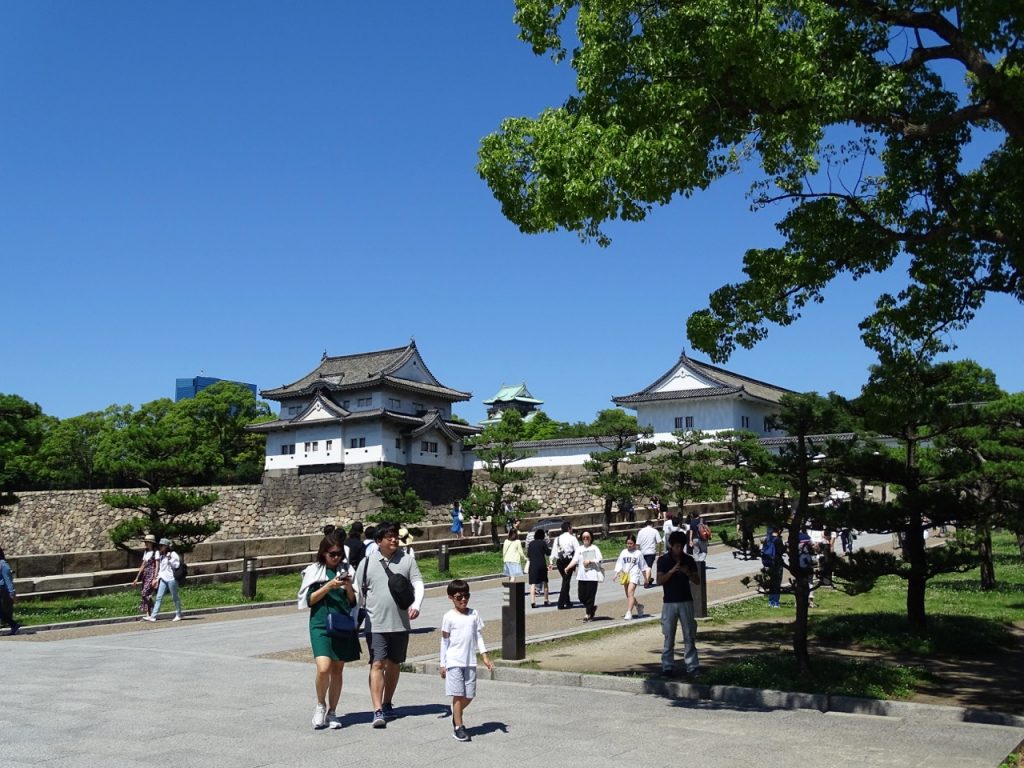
(516, 398)
(187, 388)
(699, 396)
(383, 407)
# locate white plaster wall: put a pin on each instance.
(413, 371)
(373, 451)
(307, 433)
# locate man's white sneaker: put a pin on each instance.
(319, 716)
(148, 618)
(333, 721)
(177, 617)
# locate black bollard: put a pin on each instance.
(249, 578)
(700, 592)
(442, 558)
(513, 621)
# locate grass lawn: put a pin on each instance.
(963, 622)
(270, 589)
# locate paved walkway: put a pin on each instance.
(210, 692)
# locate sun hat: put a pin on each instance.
(150, 538)
(165, 542)
(404, 536)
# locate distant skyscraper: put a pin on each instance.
(186, 388)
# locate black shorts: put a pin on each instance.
(392, 646)
(649, 559)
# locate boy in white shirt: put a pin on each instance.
(462, 637)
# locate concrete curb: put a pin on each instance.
(735, 696)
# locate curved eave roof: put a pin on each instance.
(727, 383)
(360, 371)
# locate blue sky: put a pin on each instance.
(233, 188)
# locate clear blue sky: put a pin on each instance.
(235, 187)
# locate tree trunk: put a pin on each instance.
(801, 590)
(607, 526)
(988, 568)
(916, 557)
(1020, 543)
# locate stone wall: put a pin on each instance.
(47, 522)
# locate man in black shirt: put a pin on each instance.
(354, 542)
(676, 571)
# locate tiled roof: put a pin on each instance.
(843, 437)
(416, 423)
(359, 371)
(724, 383)
(517, 392)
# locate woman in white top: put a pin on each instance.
(631, 563)
(589, 573)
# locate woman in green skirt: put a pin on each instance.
(327, 588)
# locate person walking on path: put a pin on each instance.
(512, 555)
(462, 638)
(632, 566)
(327, 588)
(147, 574)
(457, 520)
(589, 573)
(676, 572)
(648, 541)
(771, 560)
(7, 595)
(563, 552)
(165, 581)
(387, 623)
(537, 552)
(699, 537)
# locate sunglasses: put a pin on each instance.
(461, 596)
(333, 554)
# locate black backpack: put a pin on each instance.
(400, 587)
(181, 572)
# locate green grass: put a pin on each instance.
(32, 612)
(832, 675)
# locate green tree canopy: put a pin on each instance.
(858, 113)
(401, 505)
(21, 431)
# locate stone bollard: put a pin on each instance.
(513, 621)
(249, 578)
(700, 592)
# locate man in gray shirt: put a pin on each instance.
(387, 625)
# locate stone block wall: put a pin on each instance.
(49, 522)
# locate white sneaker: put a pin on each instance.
(148, 618)
(177, 617)
(333, 721)
(628, 617)
(319, 716)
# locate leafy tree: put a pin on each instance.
(855, 111)
(741, 455)
(915, 403)
(67, 455)
(689, 468)
(166, 513)
(216, 420)
(401, 505)
(804, 468)
(617, 433)
(986, 461)
(21, 431)
(495, 448)
(542, 427)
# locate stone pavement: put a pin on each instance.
(207, 692)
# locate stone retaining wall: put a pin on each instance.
(46, 522)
